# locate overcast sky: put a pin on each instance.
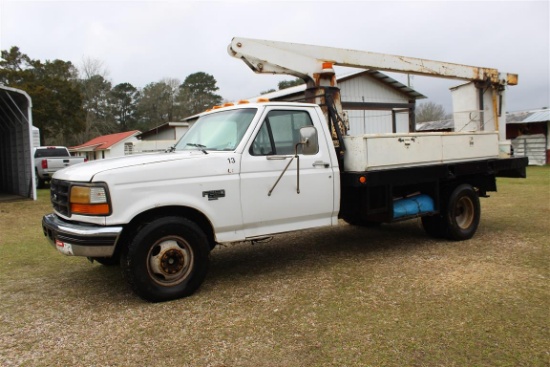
(141, 42)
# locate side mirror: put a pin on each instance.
(309, 140)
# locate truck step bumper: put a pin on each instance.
(80, 239)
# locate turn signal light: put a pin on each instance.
(90, 209)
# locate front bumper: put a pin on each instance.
(80, 239)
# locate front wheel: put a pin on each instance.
(462, 214)
(166, 260)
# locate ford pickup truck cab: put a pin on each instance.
(240, 173)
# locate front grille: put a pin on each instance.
(59, 196)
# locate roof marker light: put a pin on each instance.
(327, 68)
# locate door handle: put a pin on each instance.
(278, 157)
(321, 164)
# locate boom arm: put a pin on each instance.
(314, 65)
(305, 61)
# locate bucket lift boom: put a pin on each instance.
(314, 65)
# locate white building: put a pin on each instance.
(372, 101)
(107, 146)
(157, 139)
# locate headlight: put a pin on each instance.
(89, 200)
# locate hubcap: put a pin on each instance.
(170, 261)
(464, 212)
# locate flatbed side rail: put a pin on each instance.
(514, 167)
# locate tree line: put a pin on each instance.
(73, 105)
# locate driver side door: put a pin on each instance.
(273, 201)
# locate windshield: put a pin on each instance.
(218, 131)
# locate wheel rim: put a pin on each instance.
(464, 212)
(170, 261)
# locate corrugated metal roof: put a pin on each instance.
(539, 116)
(527, 117)
(516, 117)
(435, 125)
(373, 73)
(521, 117)
(105, 141)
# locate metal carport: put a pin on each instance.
(16, 148)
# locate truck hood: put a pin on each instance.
(85, 172)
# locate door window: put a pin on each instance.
(280, 132)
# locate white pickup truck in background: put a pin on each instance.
(50, 159)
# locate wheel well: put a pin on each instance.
(482, 184)
(146, 217)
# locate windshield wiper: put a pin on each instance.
(200, 146)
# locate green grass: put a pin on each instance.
(342, 296)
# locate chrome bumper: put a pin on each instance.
(79, 239)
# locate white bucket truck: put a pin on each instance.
(248, 171)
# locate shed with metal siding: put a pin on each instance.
(528, 131)
(16, 145)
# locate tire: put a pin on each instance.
(462, 213)
(434, 226)
(167, 259)
(38, 182)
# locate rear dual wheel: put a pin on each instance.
(167, 259)
(459, 217)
